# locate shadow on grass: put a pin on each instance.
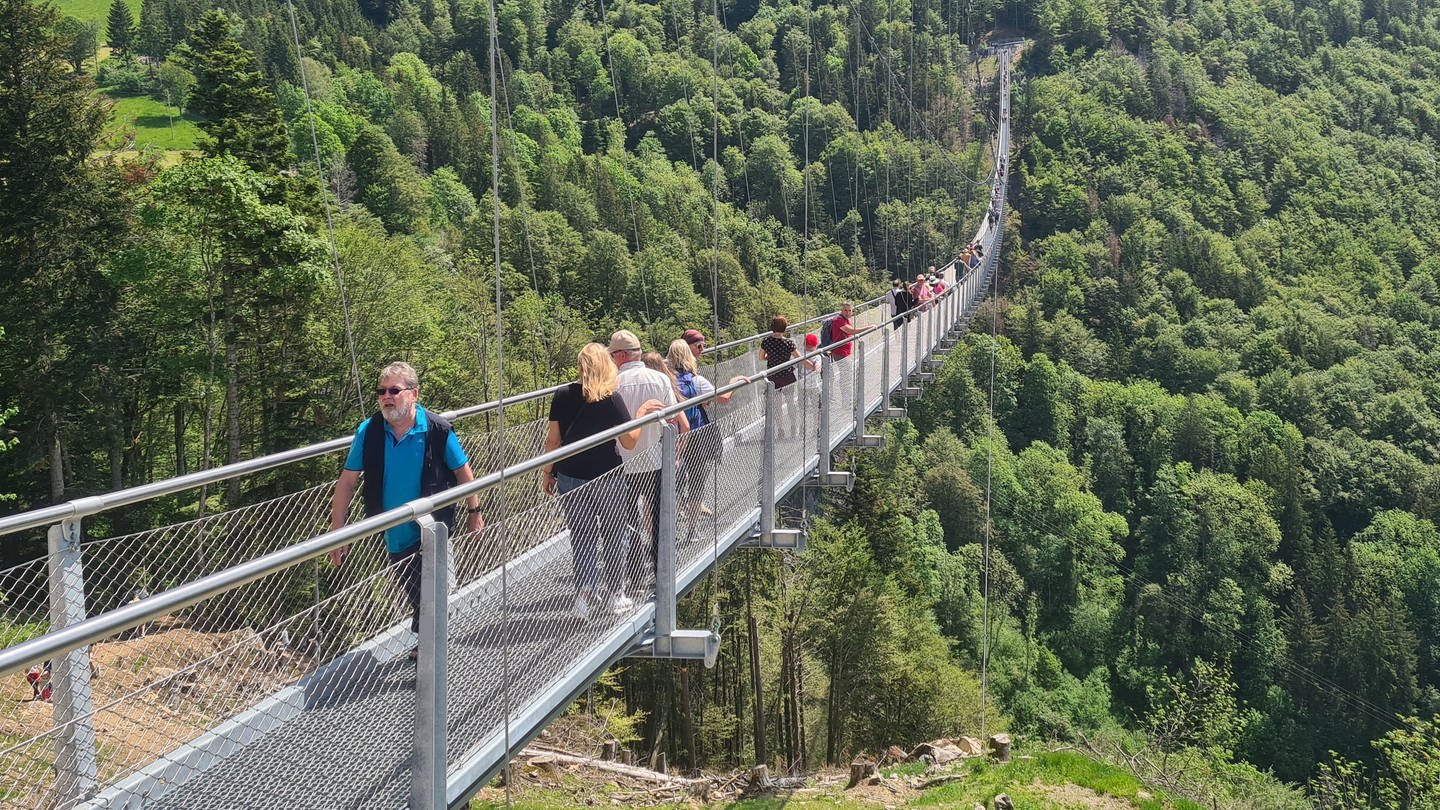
(156, 121)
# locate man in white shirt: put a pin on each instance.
(638, 384)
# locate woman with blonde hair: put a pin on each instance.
(577, 411)
(701, 449)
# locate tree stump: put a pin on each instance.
(610, 751)
(759, 777)
(627, 757)
(661, 763)
(861, 768)
(1000, 747)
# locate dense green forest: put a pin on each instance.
(1211, 477)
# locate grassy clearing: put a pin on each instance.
(1027, 781)
(12, 632)
(96, 11)
(1047, 781)
(152, 123)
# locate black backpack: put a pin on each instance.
(827, 332)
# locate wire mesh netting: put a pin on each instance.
(298, 690)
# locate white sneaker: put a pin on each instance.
(622, 604)
(582, 608)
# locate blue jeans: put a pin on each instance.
(587, 504)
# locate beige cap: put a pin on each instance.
(624, 339)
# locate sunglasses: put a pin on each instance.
(392, 390)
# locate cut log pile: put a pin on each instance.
(634, 784)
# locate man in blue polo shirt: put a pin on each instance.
(405, 452)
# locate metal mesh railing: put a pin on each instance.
(253, 696)
(293, 687)
(305, 670)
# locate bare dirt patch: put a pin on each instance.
(1075, 796)
(150, 693)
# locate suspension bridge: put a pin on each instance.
(220, 663)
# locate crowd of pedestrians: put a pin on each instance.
(609, 493)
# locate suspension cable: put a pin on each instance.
(499, 440)
(891, 81)
(524, 217)
(989, 490)
(329, 215)
(619, 116)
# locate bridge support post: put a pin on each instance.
(936, 328)
(906, 390)
(922, 346)
(920, 327)
(669, 642)
(74, 705)
(665, 573)
(859, 438)
(827, 476)
(769, 536)
(886, 409)
(427, 766)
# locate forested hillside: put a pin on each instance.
(1212, 473)
(203, 320)
(1216, 379)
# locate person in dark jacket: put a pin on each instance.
(405, 452)
(901, 301)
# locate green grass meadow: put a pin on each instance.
(96, 11)
(1031, 781)
(154, 124)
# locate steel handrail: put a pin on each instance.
(104, 625)
(84, 507)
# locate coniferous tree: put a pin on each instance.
(241, 115)
(120, 28)
(55, 221)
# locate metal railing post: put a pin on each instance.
(823, 471)
(665, 543)
(919, 358)
(905, 354)
(427, 772)
(767, 461)
(768, 536)
(76, 768)
(885, 367)
(860, 397)
(827, 372)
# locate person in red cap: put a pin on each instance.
(696, 340)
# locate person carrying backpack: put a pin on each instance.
(405, 452)
(833, 330)
(901, 302)
(701, 449)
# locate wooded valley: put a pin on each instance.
(1212, 479)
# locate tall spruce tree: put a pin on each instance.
(241, 115)
(120, 28)
(57, 219)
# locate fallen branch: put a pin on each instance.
(613, 767)
(940, 780)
